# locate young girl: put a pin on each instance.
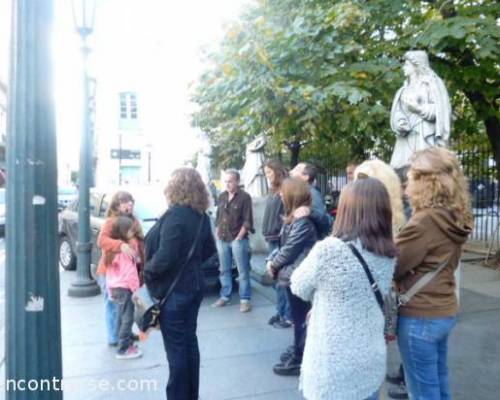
(122, 279)
(122, 203)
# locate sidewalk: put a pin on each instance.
(238, 350)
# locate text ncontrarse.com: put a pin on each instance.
(98, 385)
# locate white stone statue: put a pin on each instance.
(252, 173)
(421, 110)
(203, 162)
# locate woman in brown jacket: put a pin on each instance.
(438, 228)
(122, 203)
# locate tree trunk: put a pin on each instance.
(294, 155)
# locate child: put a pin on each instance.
(122, 279)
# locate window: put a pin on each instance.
(128, 105)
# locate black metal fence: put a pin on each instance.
(479, 167)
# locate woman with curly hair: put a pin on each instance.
(176, 246)
(434, 235)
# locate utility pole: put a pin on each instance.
(33, 318)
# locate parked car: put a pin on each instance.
(65, 195)
(483, 192)
(149, 206)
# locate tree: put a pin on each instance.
(319, 76)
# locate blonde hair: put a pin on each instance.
(436, 179)
(385, 174)
(186, 188)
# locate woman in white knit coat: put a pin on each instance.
(345, 351)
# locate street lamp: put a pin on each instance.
(84, 285)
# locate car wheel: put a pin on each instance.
(67, 258)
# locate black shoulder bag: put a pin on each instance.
(147, 308)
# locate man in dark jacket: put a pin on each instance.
(233, 223)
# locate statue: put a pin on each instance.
(203, 163)
(253, 171)
(421, 110)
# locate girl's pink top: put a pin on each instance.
(122, 273)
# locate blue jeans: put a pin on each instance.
(282, 303)
(110, 312)
(178, 321)
(423, 343)
(240, 250)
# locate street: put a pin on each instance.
(238, 350)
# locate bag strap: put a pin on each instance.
(424, 280)
(190, 254)
(374, 285)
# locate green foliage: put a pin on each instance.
(323, 73)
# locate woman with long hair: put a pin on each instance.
(176, 246)
(121, 204)
(345, 350)
(434, 235)
(298, 236)
(272, 222)
(385, 174)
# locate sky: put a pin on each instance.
(156, 42)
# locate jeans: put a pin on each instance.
(123, 299)
(178, 320)
(110, 312)
(240, 250)
(282, 303)
(299, 309)
(423, 343)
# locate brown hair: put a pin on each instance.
(113, 211)
(119, 197)
(120, 229)
(295, 193)
(311, 172)
(435, 179)
(186, 188)
(365, 213)
(280, 174)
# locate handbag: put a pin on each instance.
(147, 308)
(393, 300)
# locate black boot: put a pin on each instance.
(290, 367)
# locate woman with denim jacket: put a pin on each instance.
(298, 236)
(168, 245)
(435, 233)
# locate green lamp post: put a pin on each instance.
(33, 319)
(84, 285)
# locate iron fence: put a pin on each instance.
(479, 167)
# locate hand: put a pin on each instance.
(413, 107)
(301, 212)
(127, 250)
(270, 270)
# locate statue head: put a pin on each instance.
(416, 60)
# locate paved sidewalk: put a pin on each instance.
(238, 350)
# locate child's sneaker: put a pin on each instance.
(132, 352)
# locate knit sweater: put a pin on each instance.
(345, 350)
